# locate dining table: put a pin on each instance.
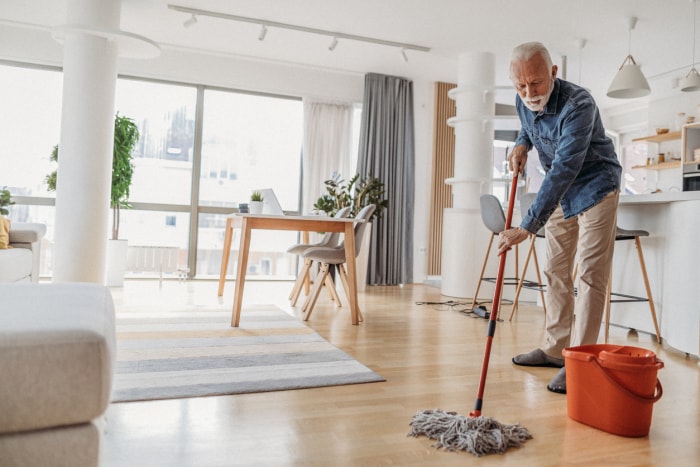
(247, 223)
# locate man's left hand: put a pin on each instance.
(511, 237)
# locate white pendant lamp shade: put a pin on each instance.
(629, 82)
(691, 82)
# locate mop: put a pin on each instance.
(476, 434)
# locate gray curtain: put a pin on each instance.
(387, 152)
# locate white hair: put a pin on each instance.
(529, 49)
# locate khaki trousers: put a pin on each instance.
(592, 235)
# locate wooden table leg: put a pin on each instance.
(240, 273)
(349, 240)
(228, 235)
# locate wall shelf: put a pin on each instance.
(661, 166)
(662, 138)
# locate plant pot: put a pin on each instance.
(115, 264)
(256, 207)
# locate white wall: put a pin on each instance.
(37, 46)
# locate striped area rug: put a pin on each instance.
(197, 353)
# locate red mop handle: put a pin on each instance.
(496, 304)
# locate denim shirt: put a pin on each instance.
(579, 159)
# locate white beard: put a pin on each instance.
(537, 103)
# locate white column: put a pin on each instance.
(464, 236)
(92, 41)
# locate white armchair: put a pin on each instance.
(21, 262)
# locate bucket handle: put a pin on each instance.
(658, 392)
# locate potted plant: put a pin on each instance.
(126, 135)
(5, 200)
(356, 193)
(256, 202)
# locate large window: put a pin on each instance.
(249, 141)
(163, 158)
(30, 126)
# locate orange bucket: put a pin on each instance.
(612, 387)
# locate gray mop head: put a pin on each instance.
(478, 435)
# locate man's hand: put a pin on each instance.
(511, 237)
(517, 159)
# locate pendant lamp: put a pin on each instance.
(691, 82)
(629, 82)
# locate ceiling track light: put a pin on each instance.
(191, 21)
(293, 27)
(403, 55)
(263, 32)
(691, 82)
(629, 82)
(334, 44)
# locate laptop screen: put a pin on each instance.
(271, 204)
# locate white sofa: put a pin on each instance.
(21, 262)
(57, 357)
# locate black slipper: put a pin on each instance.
(558, 383)
(538, 358)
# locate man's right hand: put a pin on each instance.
(517, 159)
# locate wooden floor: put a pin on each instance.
(431, 357)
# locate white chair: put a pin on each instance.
(329, 256)
(330, 239)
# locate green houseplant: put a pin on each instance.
(5, 200)
(126, 135)
(356, 193)
(256, 202)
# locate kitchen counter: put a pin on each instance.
(671, 255)
(662, 197)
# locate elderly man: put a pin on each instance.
(577, 202)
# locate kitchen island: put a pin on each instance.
(672, 257)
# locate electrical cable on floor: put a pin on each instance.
(479, 311)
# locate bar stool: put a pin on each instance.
(495, 220)
(622, 235)
(525, 203)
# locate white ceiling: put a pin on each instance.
(661, 41)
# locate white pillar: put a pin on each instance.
(464, 236)
(92, 41)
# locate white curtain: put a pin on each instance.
(327, 145)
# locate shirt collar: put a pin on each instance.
(551, 107)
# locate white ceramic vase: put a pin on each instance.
(115, 264)
(256, 207)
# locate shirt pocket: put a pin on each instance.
(546, 143)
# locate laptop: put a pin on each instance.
(271, 204)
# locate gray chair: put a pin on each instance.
(330, 239)
(525, 203)
(494, 219)
(335, 256)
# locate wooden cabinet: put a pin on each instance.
(691, 142)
